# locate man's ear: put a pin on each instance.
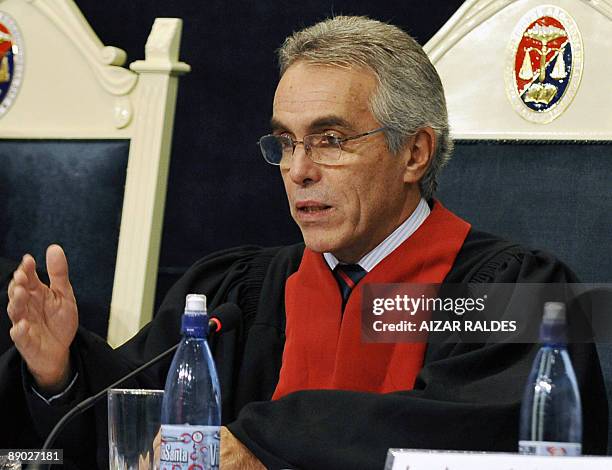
(418, 153)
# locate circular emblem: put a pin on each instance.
(11, 61)
(544, 64)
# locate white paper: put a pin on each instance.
(419, 459)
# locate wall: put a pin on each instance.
(220, 189)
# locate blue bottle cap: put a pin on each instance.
(195, 320)
(194, 324)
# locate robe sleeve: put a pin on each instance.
(466, 397)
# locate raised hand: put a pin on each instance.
(45, 318)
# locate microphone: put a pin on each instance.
(224, 318)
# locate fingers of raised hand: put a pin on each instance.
(20, 278)
(25, 289)
(25, 275)
(57, 267)
(18, 303)
(28, 267)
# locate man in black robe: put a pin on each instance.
(360, 134)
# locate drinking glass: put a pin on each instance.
(133, 429)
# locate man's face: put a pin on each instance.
(347, 208)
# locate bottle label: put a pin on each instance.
(186, 447)
(550, 448)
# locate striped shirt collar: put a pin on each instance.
(399, 236)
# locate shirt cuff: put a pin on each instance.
(49, 400)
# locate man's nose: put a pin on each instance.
(303, 170)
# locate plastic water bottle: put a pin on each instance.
(551, 415)
(191, 409)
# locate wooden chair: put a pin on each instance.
(530, 108)
(84, 153)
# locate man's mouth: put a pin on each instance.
(311, 207)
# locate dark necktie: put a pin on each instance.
(348, 275)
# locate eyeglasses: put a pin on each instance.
(320, 148)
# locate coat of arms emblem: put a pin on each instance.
(544, 64)
(11, 61)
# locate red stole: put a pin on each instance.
(323, 348)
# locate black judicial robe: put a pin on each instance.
(467, 396)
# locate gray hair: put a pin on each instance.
(409, 95)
